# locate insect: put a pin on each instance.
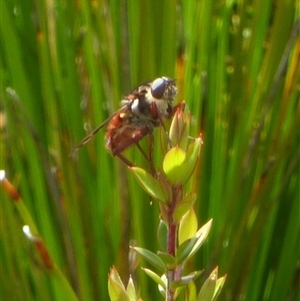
(141, 111)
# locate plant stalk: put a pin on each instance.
(177, 192)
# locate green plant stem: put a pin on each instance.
(172, 239)
(177, 192)
(170, 291)
(172, 235)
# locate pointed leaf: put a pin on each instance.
(162, 232)
(179, 128)
(151, 258)
(188, 248)
(208, 289)
(162, 289)
(168, 259)
(149, 184)
(116, 288)
(155, 277)
(114, 276)
(188, 226)
(184, 280)
(173, 164)
(185, 249)
(219, 285)
(165, 185)
(185, 204)
(202, 235)
(191, 292)
(193, 153)
(178, 165)
(131, 290)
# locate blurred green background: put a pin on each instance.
(65, 65)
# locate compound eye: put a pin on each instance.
(158, 88)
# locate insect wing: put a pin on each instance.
(95, 131)
(124, 133)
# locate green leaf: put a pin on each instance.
(191, 292)
(188, 226)
(207, 290)
(201, 235)
(162, 233)
(193, 153)
(149, 184)
(164, 184)
(189, 247)
(151, 258)
(162, 289)
(168, 259)
(155, 277)
(178, 165)
(116, 287)
(185, 204)
(185, 249)
(219, 285)
(179, 129)
(173, 165)
(184, 280)
(67, 83)
(131, 290)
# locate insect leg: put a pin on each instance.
(149, 158)
(142, 151)
(151, 146)
(125, 160)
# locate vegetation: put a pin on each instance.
(65, 66)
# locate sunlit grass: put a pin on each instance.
(64, 68)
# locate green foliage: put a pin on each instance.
(65, 65)
(117, 290)
(182, 240)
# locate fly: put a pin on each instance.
(141, 111)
